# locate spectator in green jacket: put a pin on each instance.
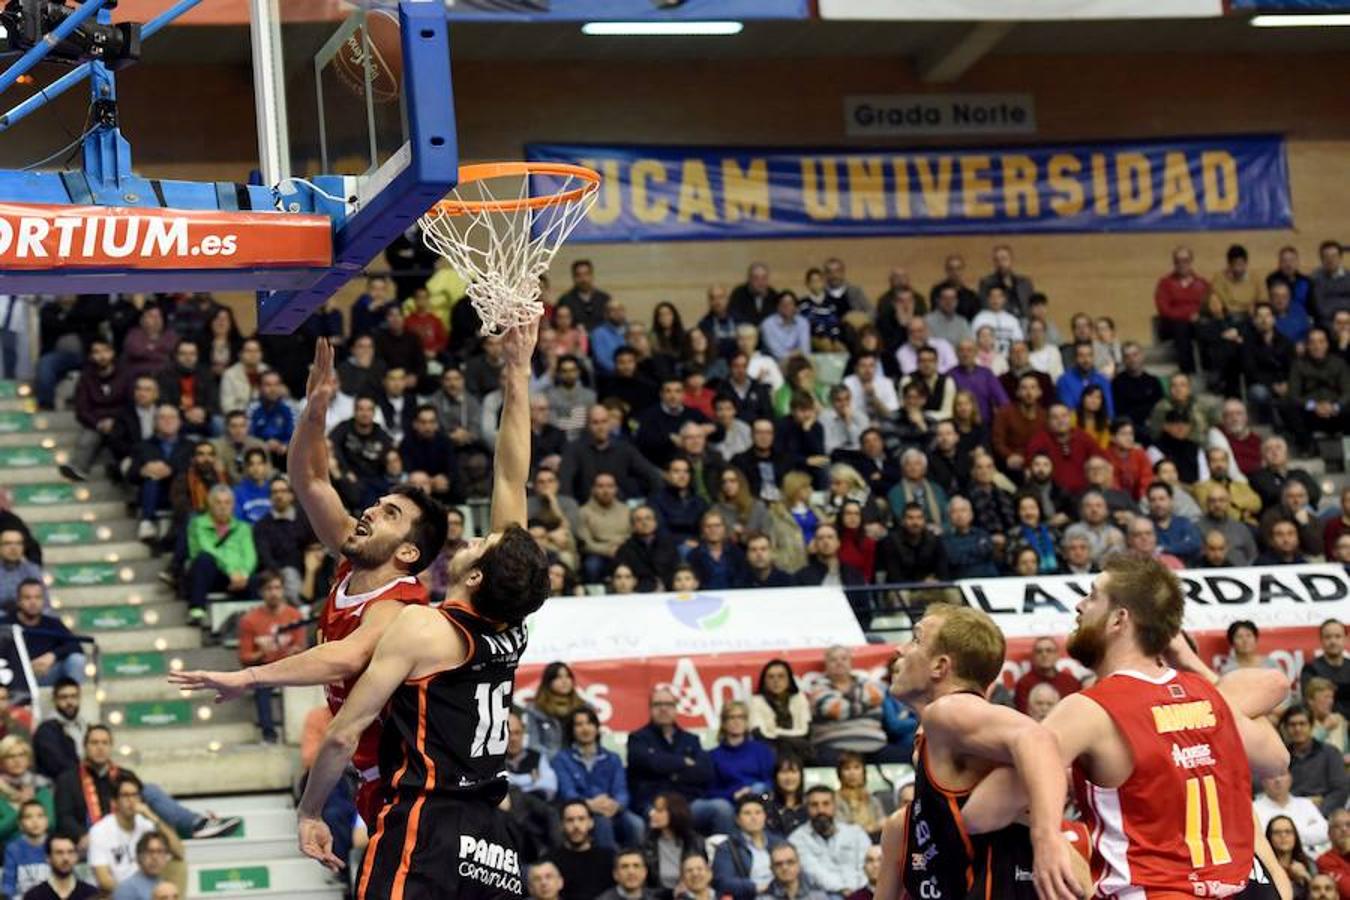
(221, 555)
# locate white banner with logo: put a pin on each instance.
(1272, 596)
(633, 626)
(913, 115)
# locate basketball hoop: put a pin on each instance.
(502, 242)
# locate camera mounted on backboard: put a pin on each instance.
(23, 23)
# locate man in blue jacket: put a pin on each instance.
(593, 775)
(741, 865)
(662, 756)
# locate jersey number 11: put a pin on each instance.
(1196, 789)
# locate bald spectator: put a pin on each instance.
(978, 380)
(1134, 390)
(1236, 438)
(1068, 448)
(1294, 507)
(919, 337)
(1041, 700)
(1239, 545)
(608, 336)
(1095, 525)
(1044, 670)
(1275, 471)
(597, 451)
(154, 463)
(1142, 543)
(1179, 296)
(719, 324)
(944, 322)
(1213, 551)
(846, 712)
(1243, 503)
(755, 299)
(1017, 288)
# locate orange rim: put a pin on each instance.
(483, 171)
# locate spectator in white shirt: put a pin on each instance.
(113, 838)
(737, 433)
(1276, 800)
(842, 423)
(760, 366)
(787, 332)
(872, 393)
(1044, 356)
(1006, 327)
(832, 853)
(919, 336)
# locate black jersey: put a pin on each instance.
(1260, 886)
(942, 861)
(446, 733)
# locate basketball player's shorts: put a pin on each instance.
(440, 847)
(1006, 871)
(1258, 890)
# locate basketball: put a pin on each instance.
(386, 58)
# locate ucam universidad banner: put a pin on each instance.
(653, 193)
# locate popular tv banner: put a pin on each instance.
(654, 193)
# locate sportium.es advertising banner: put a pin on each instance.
(652, 193)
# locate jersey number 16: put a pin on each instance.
(489, 739)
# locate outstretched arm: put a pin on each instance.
(396, 657)
(974, 727)
(512, 462)
(307, 457)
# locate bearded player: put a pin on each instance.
(1162, 753)
(944, 673)
(443, 680)
(381, 553)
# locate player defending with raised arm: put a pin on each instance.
(381, 553)
(955, 654)
(1162, 753)
(444, 679)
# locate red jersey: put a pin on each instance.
(341, 616)
(1181, 824)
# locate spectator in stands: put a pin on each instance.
(1176, 534)
(664, 757)
(114, 839)
(397, 407)
(845, 297)
(1289, 853)
(650, 553)
(14, 719)
(271, 418)
(1015, 424)
(944, 322)
(586, 866)
(1044, 670)
(19, 784)
(152, 856)
(1281, 545)
(221, 552)
(554, 703)
(149, 346)
(1238, 541)
(545, 881)
(154, 463)
(743, 512)
(585, 301)
(831, 852)
(190, 385)
(53, 651)
(1331, 664)
(983, 385)
(100, 394)
(603, 527)
(57, 739)
(1243, 636)
(1243, 503)
(670, 840)
(1095, 525)
(1081, 376)
(741, 864)
(15, 569)
(948, 461)
(1294, 507)
(919, 337)
(361, 446)
(25, 860)
(362, 372)
(1331, 283)
(916, 488)
(742, 765)
(234, 444)
(1269, 481)
(717, 562)
(593, 775)
(755, 299)
(1142, 543)
(761, 572)
(854, 803)
(61, 883)
(1286, 273)
(1179, 296)
(598, 452)
(1319, 393)
(1317, 769)
(1176, 445)
(1135, 391)
(1068, 448)
(1329, 726)
(677, 506)
(1267, 356)
(789, 881)
(764, 464)
(1335, 863)
(267, 634)
(252, 493)
(785, 333)
(1337, 524)
(940, 396)
(780, 712)
(846, 712)
(398, 347)
(66, 325)
(912, 552)
(825, 567)
(427, 325)
(1017, 288)
(1275, 799)
(970, 549)
(283, 537)
(630, 877)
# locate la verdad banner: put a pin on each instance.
(654, 193)
(709, 648)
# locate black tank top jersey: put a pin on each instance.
(943, 862)
(1260, 886)
(446, 733)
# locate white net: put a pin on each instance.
(502, 242)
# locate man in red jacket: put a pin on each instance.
(100, 394)
(1069, 449)
(1044, 655)
(1179, 296)
(1336, 861)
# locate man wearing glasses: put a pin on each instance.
(152, 856)
(115, 839)
(662, 756)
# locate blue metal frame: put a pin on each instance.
(38, 52)
(431, 171)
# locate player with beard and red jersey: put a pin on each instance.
(442, 680)
(382, 552)
(1162, 751)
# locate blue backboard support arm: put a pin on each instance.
(39, 51)
(67, 81)
(431, 170)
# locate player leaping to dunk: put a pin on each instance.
(381, 552)
(443, 680)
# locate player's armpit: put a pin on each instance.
(1254, 692)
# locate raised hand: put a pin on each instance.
(323, 383)
(518, 344)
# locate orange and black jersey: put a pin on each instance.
(446, 733)
(942, 861)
